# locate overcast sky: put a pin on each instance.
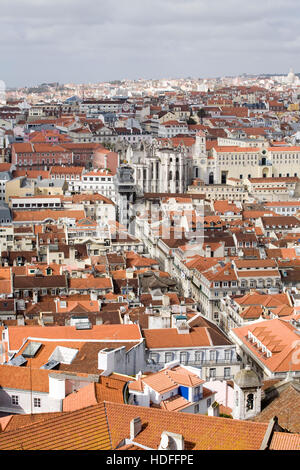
(99, 40)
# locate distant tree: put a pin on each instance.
(191, 121)
(201, 114)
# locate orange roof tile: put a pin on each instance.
(84, 429)
(284, 441)
(279, 336)
(22, 216)
(90, 283)
(61, 333)
(200, 432)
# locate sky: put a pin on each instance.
(84, 41)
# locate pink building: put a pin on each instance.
(104, 158)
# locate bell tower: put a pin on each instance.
(247, 394)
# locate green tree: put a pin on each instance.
(201, 114)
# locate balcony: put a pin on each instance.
(155, 366)
(264, 162)
(219, 377)
(198, 397)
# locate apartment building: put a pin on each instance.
(40, 156)
(98, 181)
(198, 343)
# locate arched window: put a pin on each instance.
(250, 401)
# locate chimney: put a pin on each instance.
(20, 321)
(57, 387)
(135, 427)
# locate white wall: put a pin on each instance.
(223, 397)
(48, 404)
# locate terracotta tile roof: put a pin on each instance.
(175, 403)
(284, 441)
(97, 333)
(249, 263)
(235, 149)
(85, 429)
(30, 282)
(168, 379)
(22, 216)
(45, 351)
(105, 425)
(200, 432)
(253, 311)
(225, 206)
(170, 338)
(200, 262)
(14, 422)
(90, 283)
(225, 410)
(24, 378)
(283, 179)
(220, 273)
(141, 261)
(262, 273)
(283, 311)
(255, 214)
(283, 253)
(280, 338)
(66, 170)
(87, 305)
(5, 281)
(92, 394)
(266, 300)
(286, 406)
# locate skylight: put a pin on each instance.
(31, 349)
(63, 355)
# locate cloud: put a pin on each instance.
(71, 40)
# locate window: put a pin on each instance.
(15, 400)
(227, 372)
(183, 358)
(250, 401)
(196, 409)
(227, 355)
(153, 357)
(212, 373)
(168, 357)
(208, 402)
(37, 402)
(212, 355)
(198, 356)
